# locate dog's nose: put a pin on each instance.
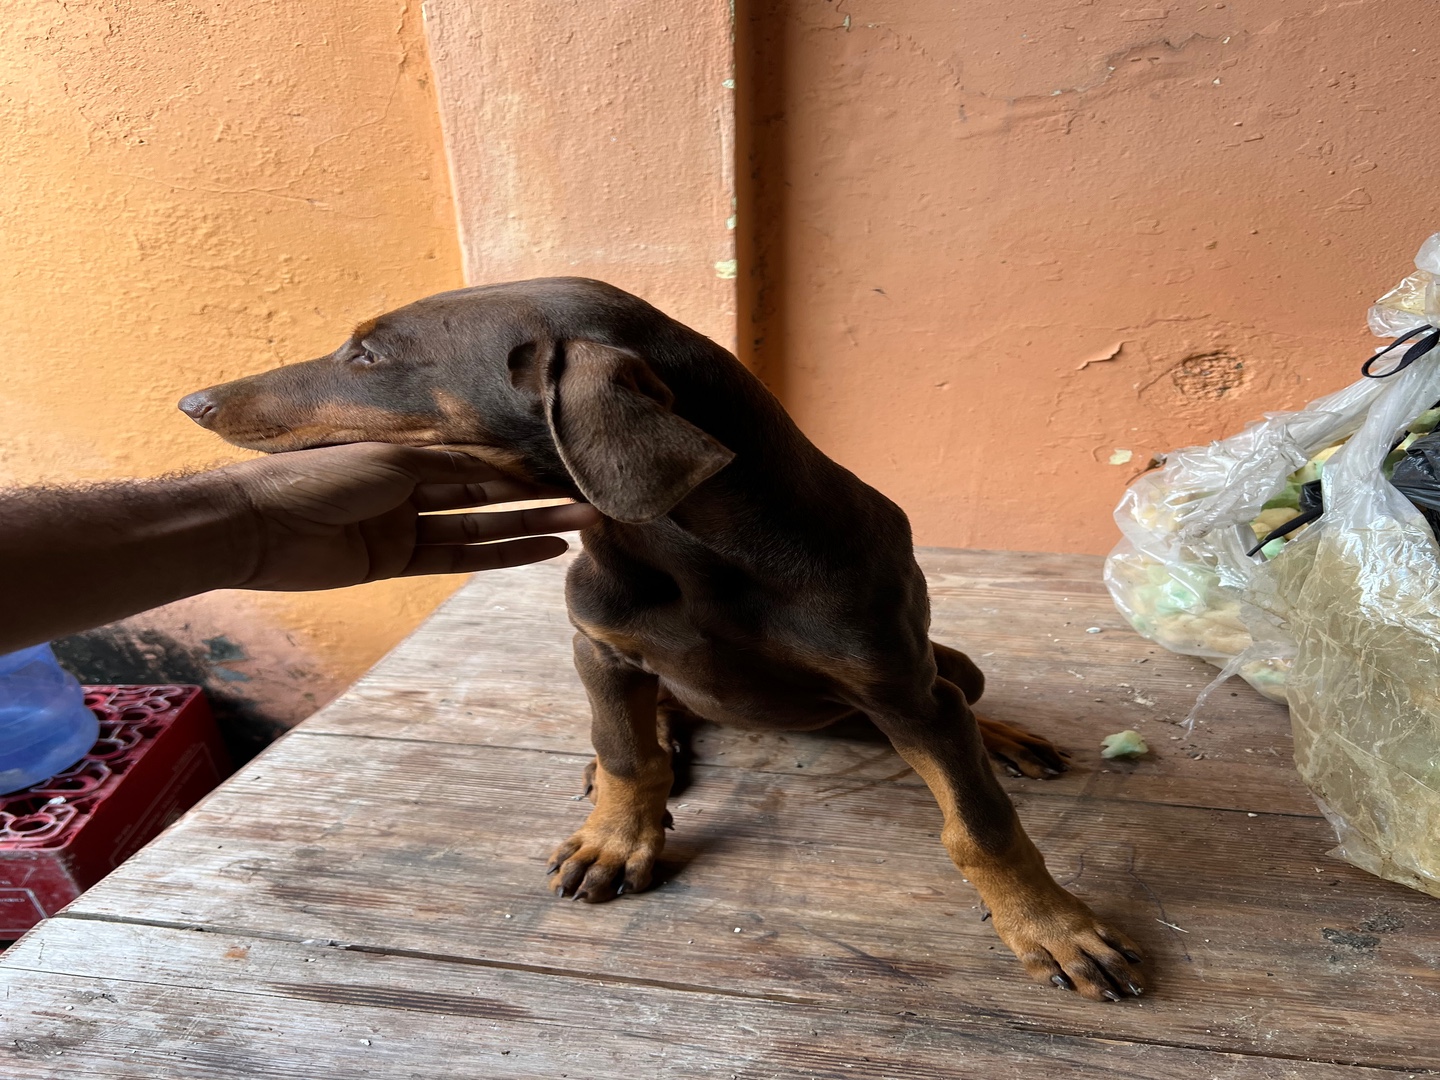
(200, 407)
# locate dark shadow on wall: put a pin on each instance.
(762, 31)
(124, 654)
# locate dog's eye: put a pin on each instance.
(364, 358)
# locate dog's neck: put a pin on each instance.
(766, 509)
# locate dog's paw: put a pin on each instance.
(1020, 752)
(606, 858)
(1067, 946)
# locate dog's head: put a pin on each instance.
(548, 380)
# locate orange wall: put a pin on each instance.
(595, 140)
(981, 248)
(987, 245)
(190, 192)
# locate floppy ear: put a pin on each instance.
(609, 414)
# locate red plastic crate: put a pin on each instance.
(158, 752)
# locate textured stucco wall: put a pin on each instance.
(190, 192)
(981, 247)
(596, 140)
(991, 243)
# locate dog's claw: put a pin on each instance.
(1067, 946)
(1135, 990)
(606, 859)
(1019, 752)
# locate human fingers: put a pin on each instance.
(482, 528)
(430, 497)
(461, 559)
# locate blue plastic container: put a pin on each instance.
(44, 724)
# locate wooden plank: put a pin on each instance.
(493, 667)
(815, 887)
(112, 1001)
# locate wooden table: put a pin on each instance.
(367, 898)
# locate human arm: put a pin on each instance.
(71, 559)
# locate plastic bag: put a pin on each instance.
(1362, 598)
(1341, 619)
(1181, 573)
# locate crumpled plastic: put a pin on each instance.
(1180, 574)
(1413, 302)
(1341, 619)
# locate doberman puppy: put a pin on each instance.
(739, 575)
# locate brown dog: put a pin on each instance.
(739, 575)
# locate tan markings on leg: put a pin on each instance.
(671, 730)
(1017, 866)
(1020, 752)
(1055, 936)
(615, 850)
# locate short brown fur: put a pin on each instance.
(739, 576)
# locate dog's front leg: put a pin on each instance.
(1056, 937)
(615, 850)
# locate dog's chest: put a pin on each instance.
(745, 664)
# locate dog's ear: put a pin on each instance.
(610, 416)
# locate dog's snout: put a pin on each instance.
(200, 407)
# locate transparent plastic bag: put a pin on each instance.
(1363, 604)
(1340, 619)
(1180, 574)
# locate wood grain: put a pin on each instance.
(493, 667)
(810, 888)
(253, 1007)
(373, 904)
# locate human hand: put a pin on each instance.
(342, 515)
